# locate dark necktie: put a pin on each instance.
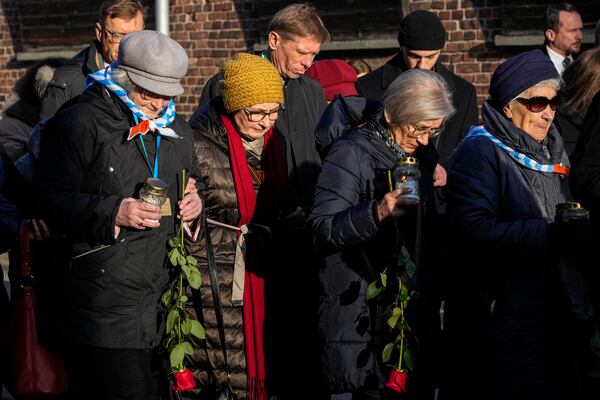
(566, 62)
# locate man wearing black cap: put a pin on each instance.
(422, 37)
(95, 156)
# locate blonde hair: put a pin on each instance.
(299, 20)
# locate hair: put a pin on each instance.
(554, 83)
(121, 78)
(125, 9)
(417, 95)
(581, 81)
(359, 65)
(552, 13)
(299, 20)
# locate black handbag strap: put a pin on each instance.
(214, 284)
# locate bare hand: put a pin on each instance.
(138, 215)
(439, 176)
(391, 206)
(38, 229)
(190, 207)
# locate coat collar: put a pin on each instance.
(396, 66)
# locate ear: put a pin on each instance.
(550, 35)
(98, 30)
(274, 40)
(507, 111)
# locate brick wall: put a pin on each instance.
(214, 30)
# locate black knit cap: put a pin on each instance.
(422, 30)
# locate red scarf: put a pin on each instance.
(254, 300)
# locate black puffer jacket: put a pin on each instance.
(86, 167)
(221, 204)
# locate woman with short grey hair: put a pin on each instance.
(360, 222)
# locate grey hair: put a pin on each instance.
(554, 83)
(417, 95)
(122, 79)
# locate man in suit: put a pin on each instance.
(563, 31)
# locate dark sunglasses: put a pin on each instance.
(539, 104)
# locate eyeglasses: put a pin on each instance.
(114, 37)
(257, 116)
(149, 96)
(419, 131)
(539, 104)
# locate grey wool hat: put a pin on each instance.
(153, 62)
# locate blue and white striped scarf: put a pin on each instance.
(104, 77)
(518, 157)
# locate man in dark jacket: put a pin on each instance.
(117, 19)
(96, 154)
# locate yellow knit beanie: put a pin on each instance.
(249, 80)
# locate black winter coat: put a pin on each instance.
(69, 80)
(86, 167)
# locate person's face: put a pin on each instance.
(254, 121)
(293, 55)
(410, 136)
(535, 124)
(112, 32)
(420, 59)
(567, 39)
(151, 104)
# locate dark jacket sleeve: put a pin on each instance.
(68, 150)
(210, 90)
(338, 219)
(476, 183)
(585, 173)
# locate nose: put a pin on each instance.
(548, 114)
(423, 140)
(307, 60)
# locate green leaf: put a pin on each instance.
(186, 326)
(187, 348)
(176, 356)
(197, 329)
(387, 352)
(173, 242)
(373, 290)
(191, 260)
(408, 358)
(194, 278)
(172, 320)
(383, 277)
(410, 268)
(393, 320)
(174, 256)
(181, 260)
(166, 298)
(404, 294)
(404, 256)
(183, 299)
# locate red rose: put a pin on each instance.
(397, 381)
(184, 380)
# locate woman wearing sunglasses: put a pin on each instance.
(505, 316)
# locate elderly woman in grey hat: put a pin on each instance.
(95, 157)
(505, 183)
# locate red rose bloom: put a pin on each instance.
(397, 381)
(184, 380)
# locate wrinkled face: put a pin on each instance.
(410, 136)
(567, 39)
(293, 55)
(253, 122)
(113, 31)
(421, 59)
(535, 124)
(151, 104)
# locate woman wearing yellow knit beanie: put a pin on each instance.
(240, 160)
